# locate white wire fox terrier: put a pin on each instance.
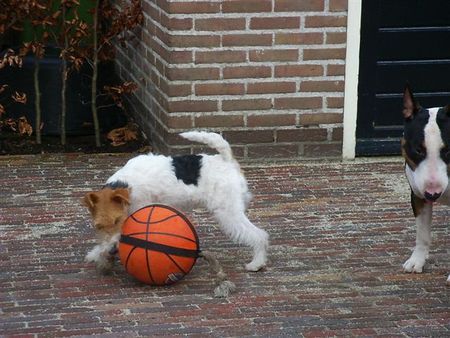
(426, 149)
(211, 181)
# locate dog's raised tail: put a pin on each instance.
(214, 140)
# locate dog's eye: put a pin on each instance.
(420, 150)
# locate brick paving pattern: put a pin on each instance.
(339, 235)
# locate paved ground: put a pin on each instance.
(339, 235)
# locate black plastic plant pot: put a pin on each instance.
(78, 95)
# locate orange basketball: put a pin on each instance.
(159, 245)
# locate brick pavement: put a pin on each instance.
(339, 235)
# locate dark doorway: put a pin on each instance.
(401, 41)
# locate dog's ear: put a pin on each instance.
(121, 196)
(410, 106)
(447, 109)
(90, 199)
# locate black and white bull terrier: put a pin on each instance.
(426, 149)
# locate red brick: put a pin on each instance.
(160, 66)
(337, 134)
(161, 99)
(227, 56)
(298, 102)
(275, 23)
(175, 89)
(246, 72)
(176, 23)
(301, 135)
(238, 151)
(298, 38)
(336, 37)
(248, 136)
(194, 41)
(273, 55)
(246, 104)
(318, 149)
(338, 5)
(176, 57)
(214, 121)
(151, 11)
(324, 54)
(192, 106)
(219, 89)
(193, 7)
(320, 118)
(299, 5)
(163, 36)
(335, 102)
(271, 120)
(178, 122)
(305, 70)
(271, 87)
(273, 151)
(155, 47)
(247, 40)
(220, 24)
(333, 70)
(322, 86)
(246, 6)
(189, 74)
(325, 21)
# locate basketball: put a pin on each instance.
(158, 245)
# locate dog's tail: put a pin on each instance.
(213, 140)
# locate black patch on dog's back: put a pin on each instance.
(116, 185)
(187, 168)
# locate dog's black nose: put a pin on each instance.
(432, 197)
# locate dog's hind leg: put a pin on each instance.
(237, 226)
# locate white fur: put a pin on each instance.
(423, 240)
(100, 254)
(429, 176)
(221, 189)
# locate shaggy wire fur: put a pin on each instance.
(221, 188)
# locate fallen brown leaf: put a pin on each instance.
(24, 126)
(19, 97)
(121, 136)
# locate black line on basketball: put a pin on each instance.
(186, 220)
(155, 222)
(161, 233)
(128, 257)
(146, 250)
(153, 246)
(179, 267)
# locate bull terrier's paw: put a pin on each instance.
(448, 280)
(255, 266)
(416, 262)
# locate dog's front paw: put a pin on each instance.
(416, 262)
(91, 256)
(254, 266)
(448, 280)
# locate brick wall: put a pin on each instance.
(267, 74)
